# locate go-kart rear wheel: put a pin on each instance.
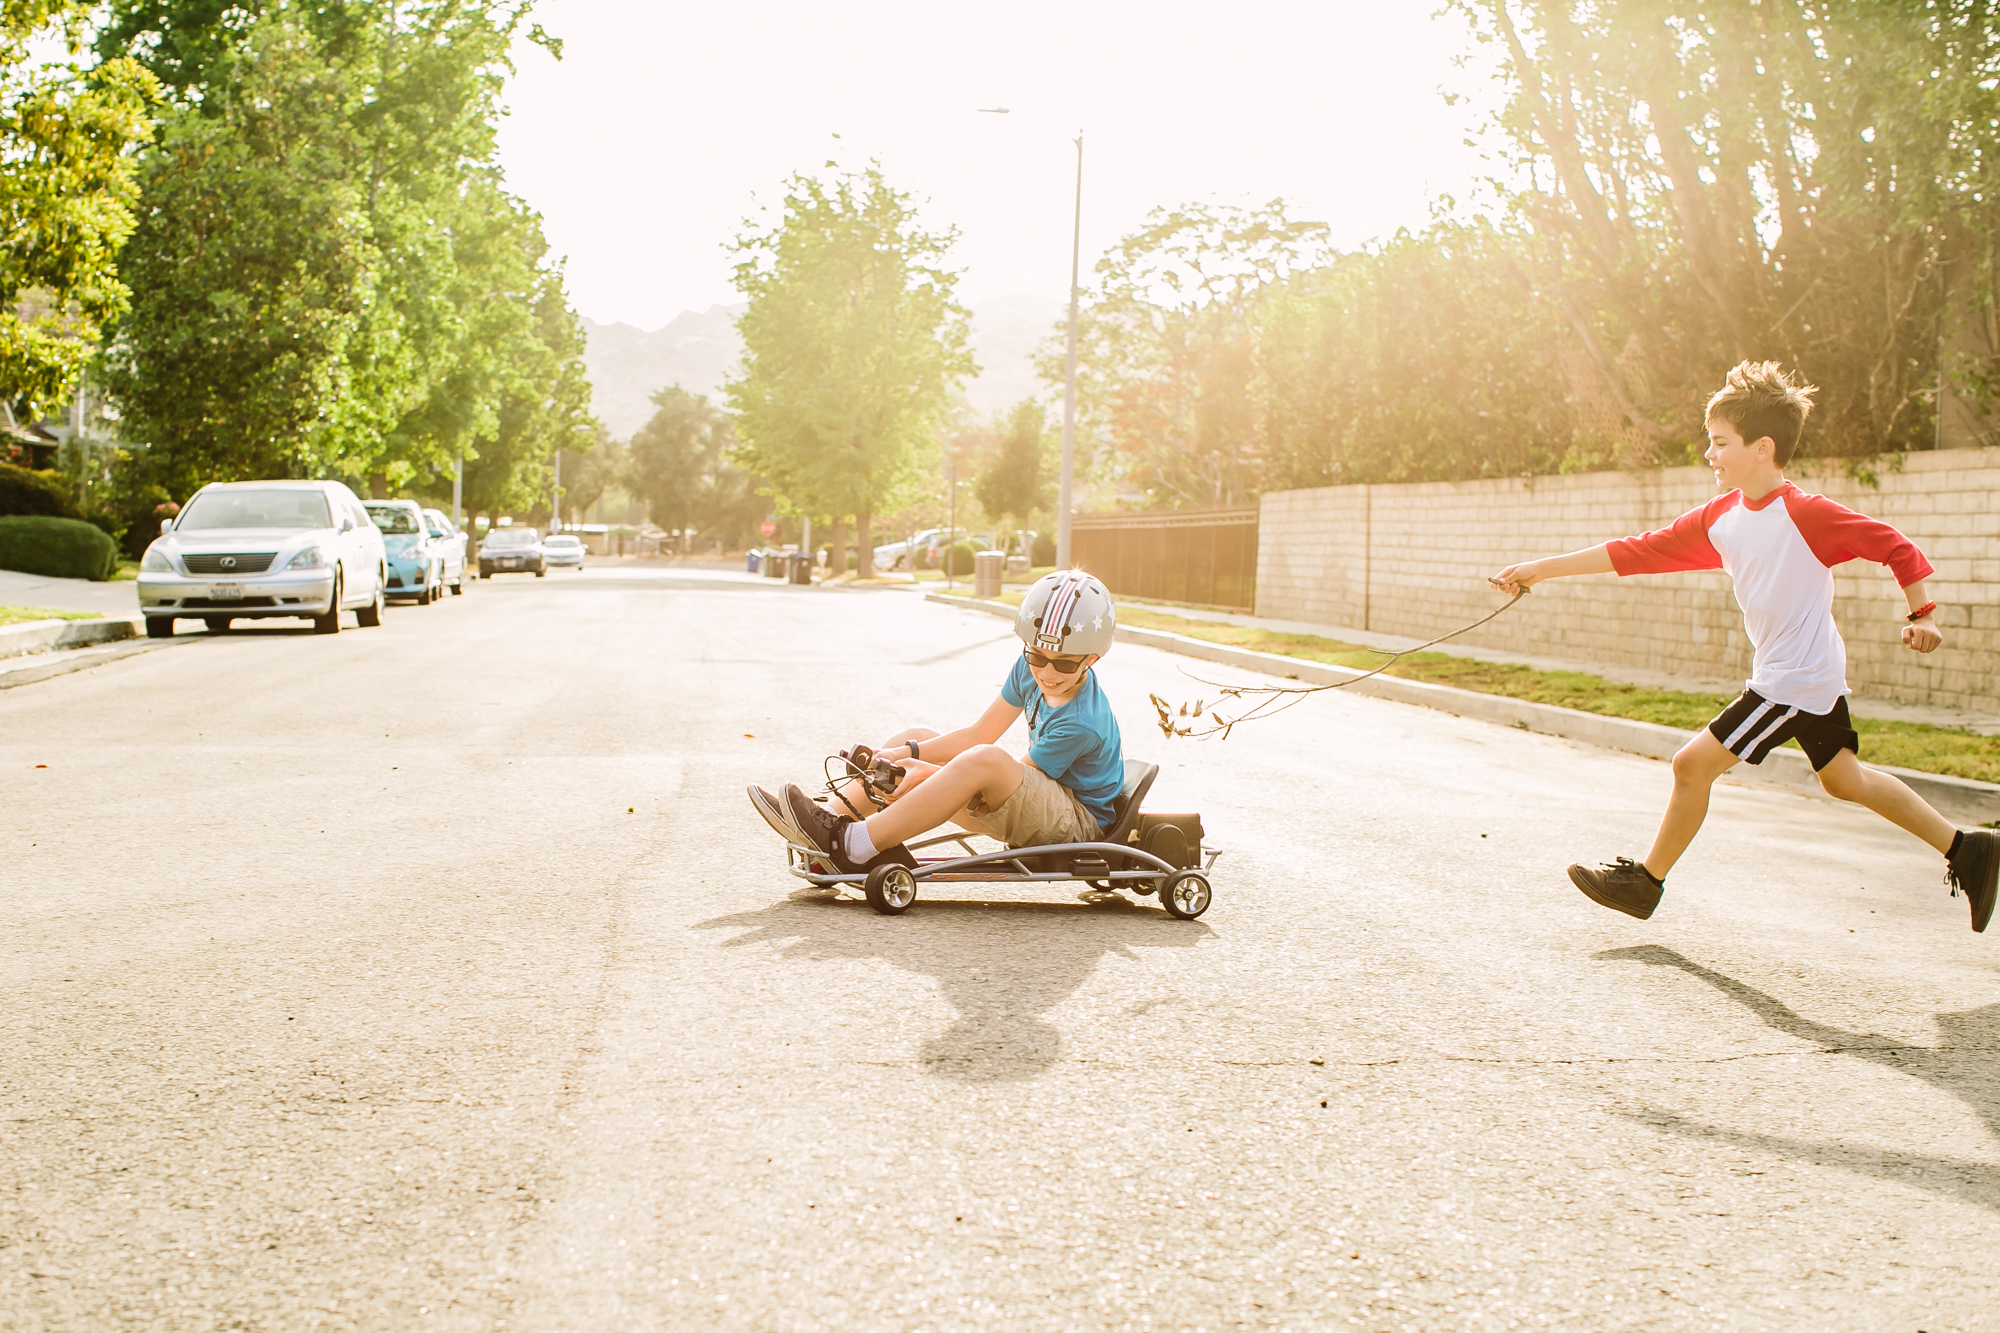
(891, 889)
(1185, 894)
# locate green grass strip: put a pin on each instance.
(19, 615)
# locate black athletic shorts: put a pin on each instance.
(1753, 726)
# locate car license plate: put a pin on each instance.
(225, 592)
(510, 564)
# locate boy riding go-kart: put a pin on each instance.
(1067, 809)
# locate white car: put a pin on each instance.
(449, 540)
(563, 549)
(253, 549)
(896, 555)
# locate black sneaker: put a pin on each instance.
(828, 833)
(1622, 885)
(1976, 869)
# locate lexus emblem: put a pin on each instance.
(228, 562)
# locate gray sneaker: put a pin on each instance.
(1622, 885)
(774, 814)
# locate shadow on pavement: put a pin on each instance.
(1001, 965)
(1965, 1063)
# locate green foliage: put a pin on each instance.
(25, 492)
(678, 465)
(1043, 551)
(67, 190)
(58, 548)
(958, 559)
(332, 279)
(1014, 482)
(852, 343)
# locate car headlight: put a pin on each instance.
(157, 561)
(312, 557)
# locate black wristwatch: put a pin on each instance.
(913, 749)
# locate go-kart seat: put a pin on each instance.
(1139, 777)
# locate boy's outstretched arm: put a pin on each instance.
(990, 727)
(1590, 560)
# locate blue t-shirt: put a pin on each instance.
(1077, 744)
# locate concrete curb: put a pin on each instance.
(40, 636)
(1959, 799)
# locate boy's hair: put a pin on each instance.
(1759, 399)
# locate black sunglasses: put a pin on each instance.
(1067, 668)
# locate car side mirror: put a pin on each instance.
(166, 526)
(347, 522)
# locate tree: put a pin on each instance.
(1781, 180)
(336, 281)
(1013, 483)
(679, 466)
(852, 344)
(1167, 347)
(67, 192)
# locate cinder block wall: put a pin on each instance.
(1414, 559)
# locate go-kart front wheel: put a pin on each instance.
(891, 889)
(1185, 894)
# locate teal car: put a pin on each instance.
(416, 567)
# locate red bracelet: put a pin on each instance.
(1921, 612)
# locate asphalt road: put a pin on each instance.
(439, 976)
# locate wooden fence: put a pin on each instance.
(1200, 557)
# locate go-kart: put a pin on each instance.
(1146, 853)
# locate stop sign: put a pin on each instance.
(770, 529)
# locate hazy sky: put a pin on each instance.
(665, 125)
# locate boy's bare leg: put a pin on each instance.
(1696, 767)
(1887, 795)
(984, 770)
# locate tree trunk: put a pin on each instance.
(836, 550)
(864, 548)
(378, 485)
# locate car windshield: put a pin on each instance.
(255, 509)
(562, 541)
(394, 520)
(511, 537)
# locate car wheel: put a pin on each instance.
(542, 572)
(217, 624)
(458, 588)
(371, 615)
(330, 622)
(159, 627)
(424, 595)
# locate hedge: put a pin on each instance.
(25, 492)
(62, 548)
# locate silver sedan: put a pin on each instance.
(254, 549)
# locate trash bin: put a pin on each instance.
(774, 564)
(987, 567)
(756, 558)
(799, 568)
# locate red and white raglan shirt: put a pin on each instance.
(1780, 552)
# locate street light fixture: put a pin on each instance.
(1069, 363)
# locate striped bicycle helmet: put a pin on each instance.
(1067, 612)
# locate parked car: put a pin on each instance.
(512, 551)
(896, 555)
(253, 549)
(416, 567)
(450, 544)
(934, 548)
(563, 549)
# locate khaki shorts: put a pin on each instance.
(1040, 811)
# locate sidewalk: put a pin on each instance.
(106, 599)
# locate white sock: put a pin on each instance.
(860, 848)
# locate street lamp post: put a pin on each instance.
(1069, 375)
(1069, 365)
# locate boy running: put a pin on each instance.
(1060, 791)
(1778, 545)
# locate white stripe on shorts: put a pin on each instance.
(1750, 746)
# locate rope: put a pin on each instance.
(1268, 696)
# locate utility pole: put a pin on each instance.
(555, 497)
(951, 532)
(457, 492)
(1069, 375)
